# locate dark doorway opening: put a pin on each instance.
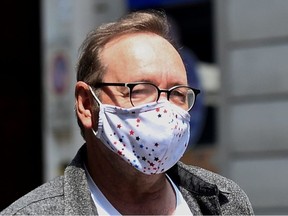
(20, 96)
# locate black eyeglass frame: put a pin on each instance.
(131, 85)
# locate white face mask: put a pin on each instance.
(150, 137)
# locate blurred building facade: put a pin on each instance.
(252, 50)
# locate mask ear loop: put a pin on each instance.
(98, 101)
(96, 98)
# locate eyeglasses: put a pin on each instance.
(145, 92)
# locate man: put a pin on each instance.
(132, 103)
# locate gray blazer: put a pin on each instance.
(204, 191)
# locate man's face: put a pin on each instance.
(140, 57)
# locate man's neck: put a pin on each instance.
(128, 190)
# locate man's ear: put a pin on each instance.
(84, 104)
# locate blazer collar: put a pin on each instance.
(202, 196)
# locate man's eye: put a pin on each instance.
(139, 91)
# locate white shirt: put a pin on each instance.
(104, 207)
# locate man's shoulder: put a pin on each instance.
(222, 182)
(234, 199)
(45, 199)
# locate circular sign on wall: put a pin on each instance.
(60, 73)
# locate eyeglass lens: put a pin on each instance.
(181, 96)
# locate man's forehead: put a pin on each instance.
(142, 55)
(137, 45)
